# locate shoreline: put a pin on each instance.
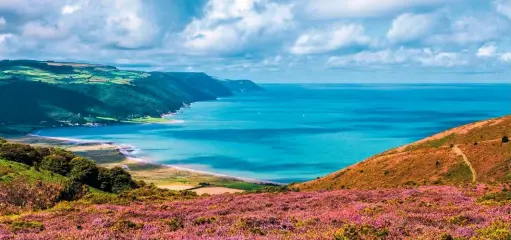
(127, 149)
(109, 154)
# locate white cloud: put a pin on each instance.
(112, 23)
(336, 37)
(41, 31)
(471, 29)
(488, 50)
(441, 59)
(2, 22)
(229, 26)
(3, 37)
(409, 27)
(402, 56)
(69, 9)
(506, 57)
(329, 9)
(503, 7)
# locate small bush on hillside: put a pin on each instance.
(63, 153)
(446, 236)
(2, 141)
(204, 220)
(104, 179)
(85, 171)
(43, 151)
(460, 220)
(21, 226)
(121, 180)
(57, 164)
(351, 231)
(174, 224)
(505, 139)
(125, 225)
(73, 190)
(21, 153)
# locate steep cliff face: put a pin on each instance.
(469, 154)
(41, 94)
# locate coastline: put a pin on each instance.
(110, 154)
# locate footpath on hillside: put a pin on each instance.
(459, 152)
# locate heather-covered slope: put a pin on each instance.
(37, 94)
(473, 153)
(422, 213)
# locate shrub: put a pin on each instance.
(174, 224)
(446, 236)
(84, 171)
(496, 231)
(351, 231)
(21, 226)
(104, 179)
(21, 153)
(204, 220)
(57, 164)
(2, 141)
(496, 197)
(505, 139)
(43, 151)
(121, 180)
(63, 153)
(125, 225)
(73, 190)
(460, 220)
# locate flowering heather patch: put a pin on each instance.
(438, 212)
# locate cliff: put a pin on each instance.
(36, 94)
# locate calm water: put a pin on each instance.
(299, 132)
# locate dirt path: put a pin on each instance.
(458, 151)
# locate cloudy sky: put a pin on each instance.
(271, 41)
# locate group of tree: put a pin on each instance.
(80, 171)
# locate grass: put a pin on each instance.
(10, 170)
(146, 120)
(459, 173)
(247, 186)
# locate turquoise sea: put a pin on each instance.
(291, 132)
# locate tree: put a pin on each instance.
(21, 153)
(73, 190)
(505, 139)
(84, 170)
(104, 179)
(64, 153)
(121, 180)
(57, 164)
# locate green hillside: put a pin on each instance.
(37, 94)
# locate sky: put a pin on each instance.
(286, 41)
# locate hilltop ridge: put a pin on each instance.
(36, 94)
(474, 153)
